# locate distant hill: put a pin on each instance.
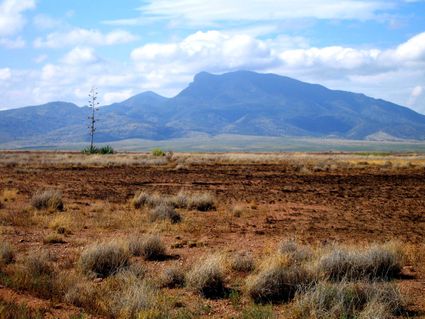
(242, 103)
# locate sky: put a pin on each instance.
(54, 50)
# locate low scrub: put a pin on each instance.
(157, 152)
(104, 259)
(207, 278)
(150, 247)
(54, 239)
(98, 150)
(378, 262)
(172, 278)
(7, 253)
(243, 262)
(349, 300)
(277, 281)
(165, 212)
(197, 201)
(296, 252)
(47, 199)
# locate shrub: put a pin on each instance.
(180, 200)
(150, 248)
(207, 278)
(95, 150)
(38, 264)
(243, 262)
(296, 252)
(142, 199)
(53, 239)
(349, 300)
(172, 278)
(7, 253)
(202, 202)
(277, 282)
(47, 199)
(104, 259)
(37, 276)
(163, 212)
(376, 262)
(158, 152)
(106, 150)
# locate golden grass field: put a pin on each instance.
(212, 235)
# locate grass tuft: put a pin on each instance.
(47, 199)
(378, 262)
(172, 278)
(165, 212)
(243, 262)
(277, 281)
(207, 278)
(7, 253)
(150, 248)
(104, 259)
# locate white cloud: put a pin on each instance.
(41, 58)
(80, 36)
(417, 91)
(44, 22)
(17, 43)
(5, 74)
(202, 11)
(80, 56)
(11, 18)
(119, 96)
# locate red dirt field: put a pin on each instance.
(317, 200)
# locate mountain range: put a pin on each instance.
(241, 102)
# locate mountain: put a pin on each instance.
(242, 102)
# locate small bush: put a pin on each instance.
(157, 152)
(277, 282)
(381, 262)
(296, 252)
(150, 248)
(180, 200)
(243, 262)
(164, 212)
(7, 253)
(38, 264)
(142, 199)
(202, 202)
(95, 150)
(104, 259)
(349, 300)
(173, 278)
(207, 278)
(53, 239)
(47, 199)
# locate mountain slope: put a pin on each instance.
(242, 102)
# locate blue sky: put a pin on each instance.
(57, 50)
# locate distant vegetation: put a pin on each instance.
(96, 150)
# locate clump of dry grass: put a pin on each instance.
(47, 199)
(7, 253)
(165, 212)
(104, 259)
(295, 251)
(377, 262)
(203, 202)
(207, 277)
(142, 199)
(243, 262)
(277, 281)
(36, 275)
(53, 239)
(172, 278)
(150, 247)
(196, 201)
(349, 300)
